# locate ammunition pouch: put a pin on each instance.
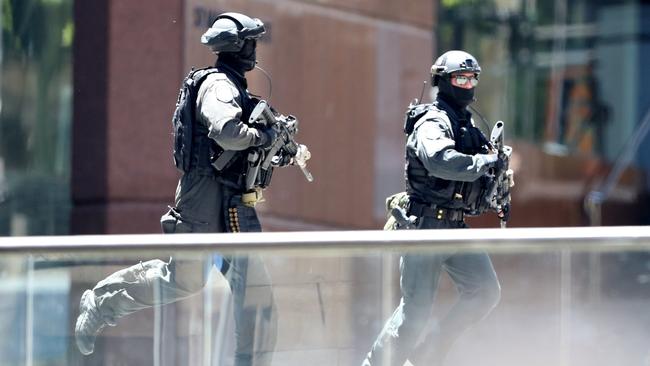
(241, 217)
(265, 176)
(204, 149)
(479, 195)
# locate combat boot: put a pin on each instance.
(89, 323)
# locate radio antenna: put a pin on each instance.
(267, 78)
(424, 85)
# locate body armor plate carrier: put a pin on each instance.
(471, 197)
(193, 149)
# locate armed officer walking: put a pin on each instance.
(213, 139)
(448, 163)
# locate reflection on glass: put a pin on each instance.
(558, 306)
(550, 68)
(156, 282)
(35, 116)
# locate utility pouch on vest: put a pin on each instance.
(471, 141)
(222, 160)
(413, 113)
(265, 176)
(478, 195)
(183, 119)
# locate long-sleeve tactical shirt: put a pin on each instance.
(433, 162)
(219, 109)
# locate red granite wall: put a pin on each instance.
(346, 70)
(127, 69)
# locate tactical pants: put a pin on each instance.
(203, 205)
(479, 292)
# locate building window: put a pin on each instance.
(549, 70)
(35, 116)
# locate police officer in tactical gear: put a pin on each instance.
(447, 163)
(208, 200)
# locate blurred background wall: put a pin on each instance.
(88, 90)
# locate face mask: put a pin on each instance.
(461, 97)
(244, 60)
(248, 55)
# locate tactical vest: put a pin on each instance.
(205, 150)
(183, 119)
(471, 197)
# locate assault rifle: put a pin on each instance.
(503, 175)
(283, 151)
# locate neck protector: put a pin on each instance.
(458, 98)
(242, 61)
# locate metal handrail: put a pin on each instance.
(495, 240)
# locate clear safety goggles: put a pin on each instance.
(462, 80)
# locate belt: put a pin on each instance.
(431, 210)
(252, 198)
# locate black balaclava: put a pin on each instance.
(241, 61)
(459, 98)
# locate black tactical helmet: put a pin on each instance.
(230, 30)
(453, 61)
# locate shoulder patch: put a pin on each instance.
(431, 115)
(220, 86)
(436, 115)
(224, 93)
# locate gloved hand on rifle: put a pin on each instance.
(293, 154)
(301, 156)
(280, 147)
(285, 155)
(268, 136)
(502, 165)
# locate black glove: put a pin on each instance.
(282, 160)
(502, 163)
(290, 149)
(267, 137)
